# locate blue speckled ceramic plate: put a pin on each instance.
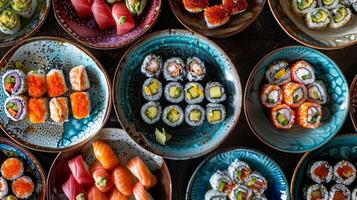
(47, 53)
(298, 139)
(339, 148)
(278, 186)
(187, 142)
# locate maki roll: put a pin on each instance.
(151, 112)
(216, 16)
(354, 7)
(278, 73)
(271, 95)
(215, 92)
(152, 89)
(10, 22)
(241, 192)
(59, 109)
(215, 195)
(174, 92)
(4, 4)
(195, 6)
(259, 197)
(340, 16)
(329, 4)
(239, 171)
(294, 94)
(23, 187)
(174, 69)
(220, 182)
(302, 7)
(173, 115)
(194, 115)
(344, 172)
(37, 110)
(318, 19)
(4, 188)
(56, 83)
(316, 191)
(152, 66)
(79, 78)
(36, 83)
(10, 197)
(235, 6)
(25, 8)
(340, 192)
(317, 92)
(354, 194)
(81, 105)
(302, 72)
(257, 183)
(13, 82)
(12, 168)
(320, 172)
(194, 93)
(195, 69)
(216, 113)
(282, 116)
(16, 107)
(309, 115)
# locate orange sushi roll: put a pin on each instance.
(122, 180)
(138, 168)
(23, 187)
(36, 83)
(56, 83)
(216, 16)
(116, 195)
(102, 179)
(81, 106)
(309, 115)
(195, 6)
(271, 95)
(141, 193)
(105, 155)
(95, 194)
(294, 94)
(12, 168)
(37, 110)
(282, 116)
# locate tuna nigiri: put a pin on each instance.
(72, 189)
(105, 155)
(102, 14)
(102, 179)
(82, 7)
(95, 194)
(123, 18)
(96, 164)
(80, 171)
(141, 193)
(122, 180)
(116, 195)
(138, 168)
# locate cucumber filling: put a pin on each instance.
(313, 115)
(339, 14)
(298, 95)
(318, 17)
(151, 112)
(282, 119)
(304, 4)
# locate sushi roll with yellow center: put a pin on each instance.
(12, 168)
(194, 93)
(278, 73)
(216, 16)
(282, 116)
(173, 115)
(302, 7)
(151, 112)
(340, 17)
(328, 4)
(271, 95)
(152, 89)
(79, 78)
(215, 92)
(10, 22)
(37, 110)
(59, 109)
(309, 115)
(174, 92)
(81, 105)
(56, 83)
(25, 8)
(194, 115)
(23, 187)
(318, 19)
(294, 94)
(302, 72)
(216, 113)
(36, 83)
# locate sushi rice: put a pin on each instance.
(151, 66)
(354, 194)
(257, 183)
(317, 92)
(151, 112)
(340, 16)
(16, 107)
(215, 195)
(302, 72)
(216, 113)
(174, 92)
(318, 18)
(173, 115)
(239, 171)
(195, 69)
(302, 7)
(241, 190)
(194, 115)
(220, 181)
(4, 188)
(215, 92)
(174, 69)
(339, 188)
(278, 73)
(152, 89)
(321, 189)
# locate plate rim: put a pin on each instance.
(353, 115)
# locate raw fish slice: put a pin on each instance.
(116, 195)
(102, 14)
(72, 189)
(141, 193)
(102, 179)
(105, 155)
(95, 194)
(96, 164)
(123, 18)
(80, 171)
(82, 7)
(138, 168)
(122, 180)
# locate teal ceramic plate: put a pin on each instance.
(297, 139)
(187, 142)
(48, 53)
(278, 186)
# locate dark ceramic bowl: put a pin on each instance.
(353, 107)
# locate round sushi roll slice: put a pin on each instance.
(10, 22)
(36, 83)
(282, 116)
(4, 4)
(271, 95)
(328, 4)
(4, 188)
(302, 72)
(239, 171)
(257, 183)
(25, 8)
(278, 73)
(194, 115)
(316, 191)
(294, 94)
(152, 89)
(174, 92)
(221, 182)
(151, 112)
(215, 92)
(216, 16)
(241, 192)
(16, 107)
(9, 197)
(354, 7)
(302, 7)
(259, 197)
(195, 69)
(354, 194)
(151, 66)
(318, 19)
(13, 82)
(216, 113)
(23, 187)
(309, 115)
(344, 172)
(12, 168)
(340, 192)
(194, 93)
(340, 17)
(173, 115)
(174, 69)
(317, 92)
(321, 172)
(215, 195)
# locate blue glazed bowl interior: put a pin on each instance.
(298, 139)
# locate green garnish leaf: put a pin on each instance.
(122, 20)
(306, 76)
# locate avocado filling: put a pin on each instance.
(314, 93)
(282, 117)
(339, 14)
(304, 4)
(240, 195)
(175, 92)
(298, 95)
(328, 2)
(9, 19)
(313, 115)
(195, 115)
(194, 92)
(215, 116)
(251, 182)
(221, 186)
(151, 112)
(319, 16)
(173, 115)
(152, 88)
(215, 92)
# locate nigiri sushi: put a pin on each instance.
(105, 155)
(80, 171)
(216, 16)
(96, 164)
(56, 83)
(37, 110)
(72, 189)
(59, 109)
(102, 14)
(116, 195)
(235, 6)
(141, 193)
(138, 168)
(23, 187)
(12, 168)
(102, 179)
(36, 83)
(122, 180)
(82, 7)
(123, 18)
(81, 105)
(95, 194)
(79, 78)
(195, 6)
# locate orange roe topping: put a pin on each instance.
(80, 105)
(216, 14)
(195, 4)
(37, 110)
(339, 196)
(11, 168)
(345, 171)
(55, 84)
(321, 171)
(36, 86)
(23, 187)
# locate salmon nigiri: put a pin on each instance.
(116, 195)
(138, 168)
(141, 193)
(122, 180)
(105, 155)
(95, 194)
(102, 179)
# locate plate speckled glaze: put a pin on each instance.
(278, 186)
(125, 148)
(353, 108)
(86, 31)
(33, 167)
(28, 26)
(298, 139)
(187, 142)
(327, 39)
(339, 148)
(48, 53)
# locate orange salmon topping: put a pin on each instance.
(36, 86)
(11, 168)
(55, 85)
(80, 105)
(37, 110)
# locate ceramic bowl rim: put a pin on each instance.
(353, 116)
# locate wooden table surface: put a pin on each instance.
(245, 49)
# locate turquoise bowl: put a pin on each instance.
(47, 53)
(339, 148)
(187, 142)
(298, 139)
(278, 186)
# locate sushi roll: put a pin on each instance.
(102, 179)
(320, 172)
(9, 197)
(235, 6)
(174, 69)
(173, 115)
(259, 197)
(302, 7)
(328, 4)
(316, 191)
(194, 115)
(318, 19)
(347, 3)
(25, 8)
(239, 171)
(4, 4)
(344, 172)
(174, 92)
(195, 6)
(36, 83)
(12, 168)
(340, 192)
(271, 95)
(152, 66)
(354, 194)
(16, 107)
(241, 192)
(59, 109)
(216, 16)
(195, 69)
(257, 183)
(282, 116)
(220, 181)
(37, 110)
(81, 105)
(56, 83)
(302, 72)
(309, 115)
(79, 78)
(216, 113)
(294, 94)
(105, 155)
(151, 112)
(4, 188)
(278, 73)
(152, 89)
(215, 92)
(340, 17)
(215, 195)
(10, 22)
(317, 92)
(13, 82)
(23, 187)
(194, 93)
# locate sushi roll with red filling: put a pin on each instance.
(282, 116)
(271, 95)
(56, 83)
(123, 18)
(309, 115)
(4, 188)
(316, 192)
(278, 73)
(216, 16)
(82, 7)
(23, 187)
(16, 107)
(235, 6)
(302, 72)
(12, 168)
(321, 172)
(195, 6)
(257, 183)
(102, 14)
(340, 192)
(36, 83)
(13, 82)
(241, 192)
(344, 172)
(37, 110)
(80, 171)
(81, 105)
(294, 94)
(239, 171)
(79, 78)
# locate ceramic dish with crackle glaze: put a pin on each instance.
(56, 53)
(187, 142)
(353, 108)
(298, 139)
